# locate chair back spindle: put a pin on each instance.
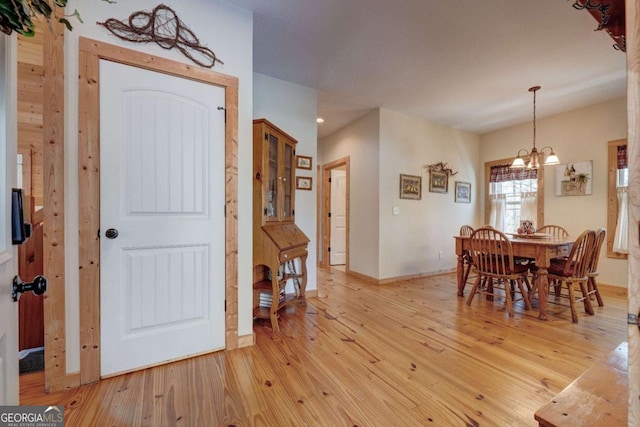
(553, 230)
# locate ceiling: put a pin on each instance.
(467, 64)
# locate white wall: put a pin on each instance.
(382, 145)
(359, 141)
(410, 243)
(575, 136)
(228, 31)
(294, 109)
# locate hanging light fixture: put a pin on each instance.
(534, 156)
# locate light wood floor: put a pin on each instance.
(406, 354)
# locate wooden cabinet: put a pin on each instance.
(273, 159)
(279, 246)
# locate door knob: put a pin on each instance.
(38, 286)
(111, 233)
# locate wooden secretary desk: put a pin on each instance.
(279, 246)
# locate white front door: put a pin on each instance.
(8, 253)
(162, 184)
(338, 254)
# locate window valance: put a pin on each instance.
(502, 173)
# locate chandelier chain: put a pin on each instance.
(534, 118)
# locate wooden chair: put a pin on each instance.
(592, 270)
(571, 271)
(553, 230)
(492, 259)
(466, 230)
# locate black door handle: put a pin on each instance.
(111, 233)
(38, 286)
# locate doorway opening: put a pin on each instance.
(30, 168)
(335, 214)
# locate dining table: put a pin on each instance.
(540, 248)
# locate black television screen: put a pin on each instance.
(18, 231)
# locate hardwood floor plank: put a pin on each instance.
(410, 353)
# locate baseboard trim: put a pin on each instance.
(246, 340)
(389, 280)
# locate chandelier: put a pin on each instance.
(534, 157)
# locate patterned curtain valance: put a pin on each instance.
(502, 173)
(622, 156)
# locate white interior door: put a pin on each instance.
(162, 189)
(8, 333)
(338, 254)
(8, 253)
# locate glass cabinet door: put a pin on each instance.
(272, 178)
(287, 182)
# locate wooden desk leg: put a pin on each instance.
(460, 272)
(273, 314)
(303, 285)
(543, 292)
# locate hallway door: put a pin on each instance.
(162, 225)
(338, 254)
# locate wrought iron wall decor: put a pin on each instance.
(163, 27)
(610, 15)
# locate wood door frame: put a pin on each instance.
(90, 54)
(326, 207)
(632, 19)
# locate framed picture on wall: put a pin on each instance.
(438, 181)
(410, 187)
(303, 162)
(303, 182)
(574, 179)
(463, 192)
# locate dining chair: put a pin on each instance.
(553, 230)
(492, 260)
(571, 271)
(466, 230)
(592, 270)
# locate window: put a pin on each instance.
(618, 200)
(512, 195)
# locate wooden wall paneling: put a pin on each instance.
(26, 171)
(56, 377)
(633, 140)
(91, 52)
(30, 49)
(37, 175)
(30, 112)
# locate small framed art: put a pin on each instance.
(438, 181)
(303, 162)
(303, 182)
(410, 187)
(574, 179)
(463, 192)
